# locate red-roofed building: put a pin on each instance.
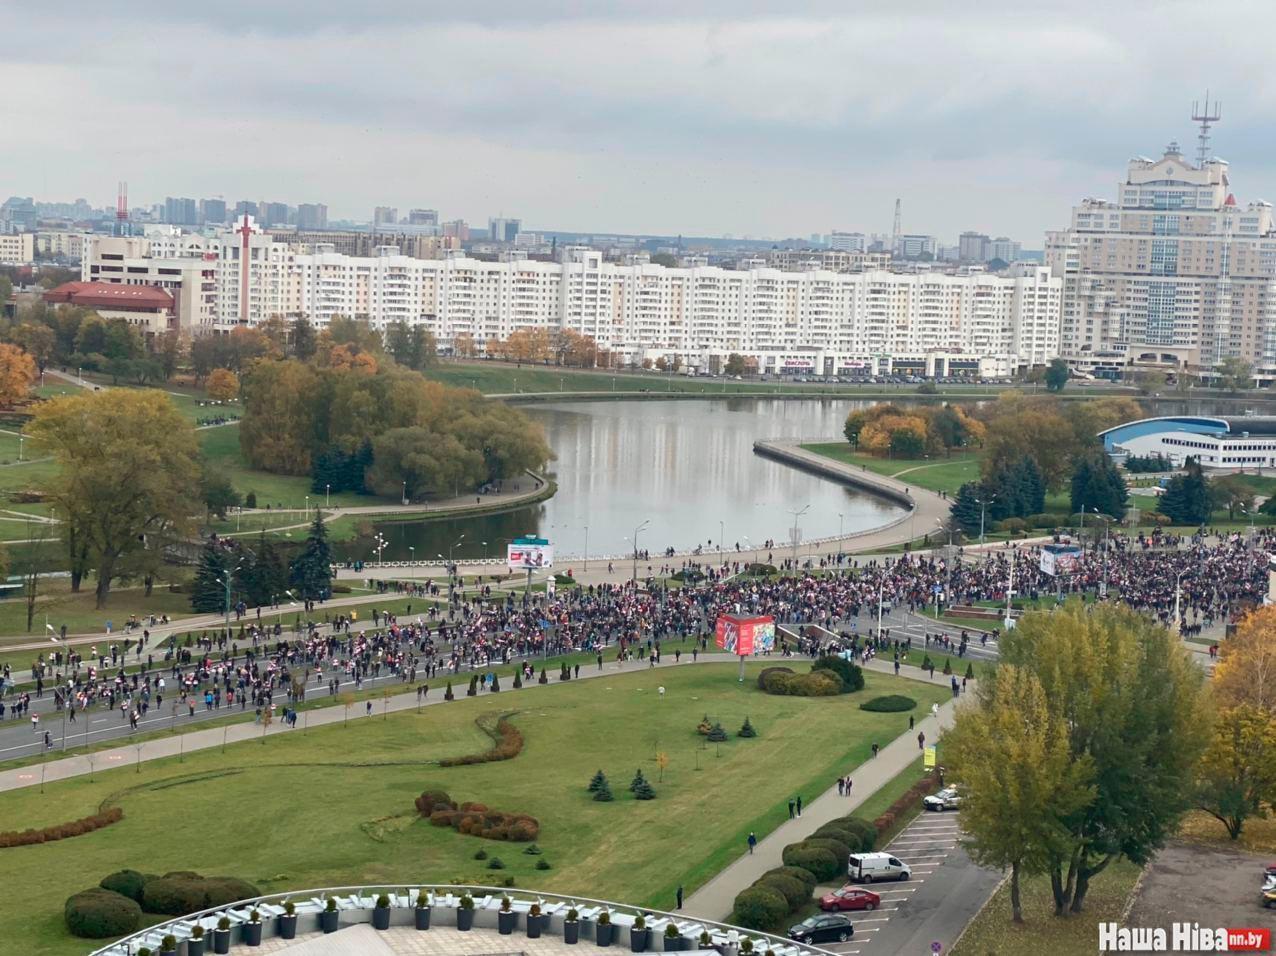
(146, 306)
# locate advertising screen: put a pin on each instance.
(1059, 558)
(524, 556)
(745, 635)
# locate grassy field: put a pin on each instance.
(944, 474)
(1258, 836)
(77, 612)
(992, 933)
(359, 825)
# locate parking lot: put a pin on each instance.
(1210, 885)
(946, 889)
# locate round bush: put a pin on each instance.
(805, 877)
(759, 907)
(835, 831)
(173, 895)
(890, 704)
(815, 684)
(863, 829)
(125, 882)
(764, 678)
(849, 674)
(795, 892)
(441, 818)
(839, 848)
(818, 860)
(99, 914)
(223, 890)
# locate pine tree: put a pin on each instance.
(1097, 485)
(717, 734)
(543, 679)
(518, 678)
(603, 793)
(637, 782)
(966, 508)
(208, 591)
(1186, 499)
(473, 689)
(496, 682)
(1032, 485)
(311, 572)
(598, 781)
(747, 729)
(643, 790)
(447, 694)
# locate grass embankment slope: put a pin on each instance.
(335, 805)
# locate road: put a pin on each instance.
(946, 890)
(17, 739)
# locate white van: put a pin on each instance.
(872, 867)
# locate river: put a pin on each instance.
(687, 468)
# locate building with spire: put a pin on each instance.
(1174, 275)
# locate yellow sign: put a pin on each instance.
(928, 759)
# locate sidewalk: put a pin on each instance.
(715, 899)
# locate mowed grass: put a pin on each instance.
(77, 611)
(933, 474)
(992, 933)
(334, 806)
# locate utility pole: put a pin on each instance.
(796, 515)
(1010, 591)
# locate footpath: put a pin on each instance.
(715, 899)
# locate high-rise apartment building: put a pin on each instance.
(973, 247)
(312, 216)
(847, 241)
(423, 217)
(274, 214)
(1173, 274)
(503, 230)
(917, 247)
(1003, 248)
(245, 207)
(212, 211)
(180, 211)
(385, 216)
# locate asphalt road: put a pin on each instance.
(18, 740)
(946, 890)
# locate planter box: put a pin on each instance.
(534, 925)
(250, 933)
(422, 914)
(571, 933)
(506, 920)
(195, 947)
(287, 926)
(221, 941)
(638, 939)
(604, 933)
(675, 944)
(380, 917)
(328, 920)
(464, 920)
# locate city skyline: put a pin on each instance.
(744, 120)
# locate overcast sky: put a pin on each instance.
(742, 117)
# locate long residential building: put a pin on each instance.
(817, 320)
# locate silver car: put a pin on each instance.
(946, 799)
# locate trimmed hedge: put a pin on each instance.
(803, 876)
(796, 893)
(62, 831)
(889, 704)
(906, 802)
(815, 684)
(508, 743)
(819, 860)
(864, 830)
(477, 819)
(759, 907)
(125, 882)
(177, 894)
(835, 831)
(766, 672)
(839, 848)
(99, 914)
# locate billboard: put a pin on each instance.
(529, 554)
(745, 635)
(1059, 558)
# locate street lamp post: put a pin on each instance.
(721, 532)
(796, 515)
(586, 547)
(307, 507)
(638, 530)
(1178, 580)
(327, 496)
(983, 506)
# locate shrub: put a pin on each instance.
(766, 672)
(125, 882)
(884, 822)
(746, 730)
(851, 676)
(759, 907)
(597, 781)
(480, 855)
(518, 679)
(447, 694)
(61, 831)
(98, 914)
(223, 890)
(839, 848)
(441, 818)
(603, 793)
(521, 832)
(542, 864)
(432, 800)
(863, 829)
(717, 734)
(835, 831)
(803, 876)
(507, 744)
(815, 684)
(472, 807)
(795, 892)
(495, 863)
(889, 704)
(543, 679)
(819, 860)
(176, 894)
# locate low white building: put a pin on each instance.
(1246, 442)
(17, 249)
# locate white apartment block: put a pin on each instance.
(62, 245)
(187, 271)
(17, 249)
(825, 321)
(1173, 274)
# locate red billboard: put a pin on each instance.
(745, 635)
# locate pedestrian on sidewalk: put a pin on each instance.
(790, 809)
(799, 805)
(877, 748)
(678, 897)
(921, 740)
(910, 721)
(753, 841)
(841, 787)
(849, 782)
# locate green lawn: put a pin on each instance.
(992, 933)
(335, 805)
(77, 612)
(933, 474)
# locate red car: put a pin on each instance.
(850, 898)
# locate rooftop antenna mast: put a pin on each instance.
(895, 234)
(121, 203)
(1205, 116)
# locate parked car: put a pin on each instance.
(1269, 891)
(946, 799)
(870, 867)
(824, 928)
(850, 898)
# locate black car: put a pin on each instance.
(823, 928)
